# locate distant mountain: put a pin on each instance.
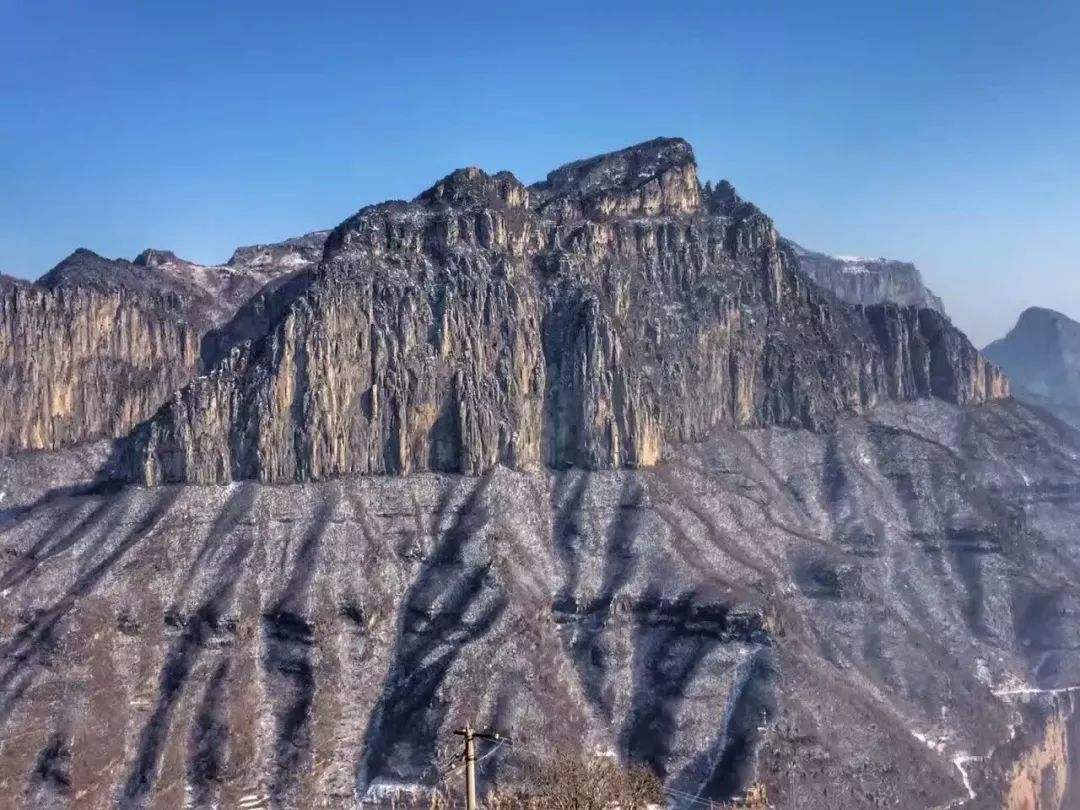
(203, 294)
(863, 280)
(1041, 355)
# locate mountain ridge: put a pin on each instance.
(643, 489)
(488, 322)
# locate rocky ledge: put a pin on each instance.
(597, 319)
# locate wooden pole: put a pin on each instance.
(470, 768)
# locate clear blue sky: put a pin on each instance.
(945, 133)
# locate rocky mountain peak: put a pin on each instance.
(658, 177)
(724, 201)
(98, 344)
(296, 253)
(472, 186)
(1041, 355)
(79, 260)
(85, 269)
(602, 319)
(1043, 329)
(156, 258)
(1041, 318)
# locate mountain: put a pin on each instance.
(1041, 355)
(614, 311)
(862, 280)
(96, 345)
(643, 491)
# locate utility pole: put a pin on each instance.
(471, 736)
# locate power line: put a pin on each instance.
(682, 795)
(471, 736)
(480, 768)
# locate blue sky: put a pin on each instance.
(943, 133)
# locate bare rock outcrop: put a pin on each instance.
(81, 364)
(596, 319)
(97, 345)
(867, 280)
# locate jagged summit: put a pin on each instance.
(724, 200)
(623, 169)
(596, 319)
(154, 258)
(98, 344)
(472, 186)
(651, 178)
(84, 269)
(813, 594)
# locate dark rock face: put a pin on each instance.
(1041, 355)
(595, 319)
(96, 345)
(863, 280)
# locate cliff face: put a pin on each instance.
(861, 280)
(1041, 355)
(79, 364)
(96, 345)
(594, 319)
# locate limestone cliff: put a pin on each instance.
(78, 364)
(97, 345)
(595, 319)
(864, 280)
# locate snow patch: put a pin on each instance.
(385, 792)
(961, 761)
(859, 259)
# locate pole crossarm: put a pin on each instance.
(471, 735)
